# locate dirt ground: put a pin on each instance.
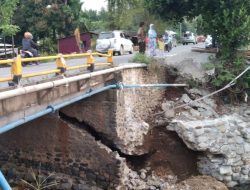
(170, 155)
(203, 183)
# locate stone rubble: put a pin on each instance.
(223, 139)
(146, 179)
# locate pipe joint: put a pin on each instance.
(53, 110)
(119, 85)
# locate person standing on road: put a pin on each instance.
(141, 38)
(152, 35)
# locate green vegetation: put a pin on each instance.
(7, 9)
(141, 58)
(39, 181)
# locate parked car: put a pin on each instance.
(189, 37)
(115, 40)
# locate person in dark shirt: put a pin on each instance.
(141, 38)
(29, 45)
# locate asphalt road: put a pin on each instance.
(176, 55)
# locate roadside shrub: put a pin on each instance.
(47, 47)
(39, 181)
(141, 58)
(224, 72)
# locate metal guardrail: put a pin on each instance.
(16, 64)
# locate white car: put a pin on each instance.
(189, 37)
(114, 40)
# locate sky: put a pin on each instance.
(94, 4)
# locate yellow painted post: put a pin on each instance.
(110, 56)
(90, 61)
(61, 63)
(16, 69)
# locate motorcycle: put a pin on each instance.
(167, 43)
(168, 46)
(27, 54)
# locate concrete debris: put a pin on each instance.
(223, 139)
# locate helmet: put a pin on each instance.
(28, 35)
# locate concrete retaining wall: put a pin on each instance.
(120, 115)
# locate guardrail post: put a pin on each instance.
(110, 56)
(61, 63)
(90, 61)
(16, 69)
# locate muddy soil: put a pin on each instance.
(168, 155)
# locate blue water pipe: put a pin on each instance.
(51, 109)
(121, 85)
(4, 185)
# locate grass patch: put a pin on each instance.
(141, 58)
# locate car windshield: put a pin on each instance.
(106, 35)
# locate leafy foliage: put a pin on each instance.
(7, 9)
(171, 9)
(53, 19)
(40, 181)
(95, 21)
(141, 58)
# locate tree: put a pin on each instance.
(95, 21)
(54, 18)
(48, 20)
(172, 9)
(117, 8)
(6, 13)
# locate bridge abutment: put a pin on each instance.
(120, 115)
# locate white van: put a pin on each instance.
(115, 40)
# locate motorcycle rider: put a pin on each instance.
(168, 41)
(29, 45)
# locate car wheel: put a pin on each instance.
(121, 52)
